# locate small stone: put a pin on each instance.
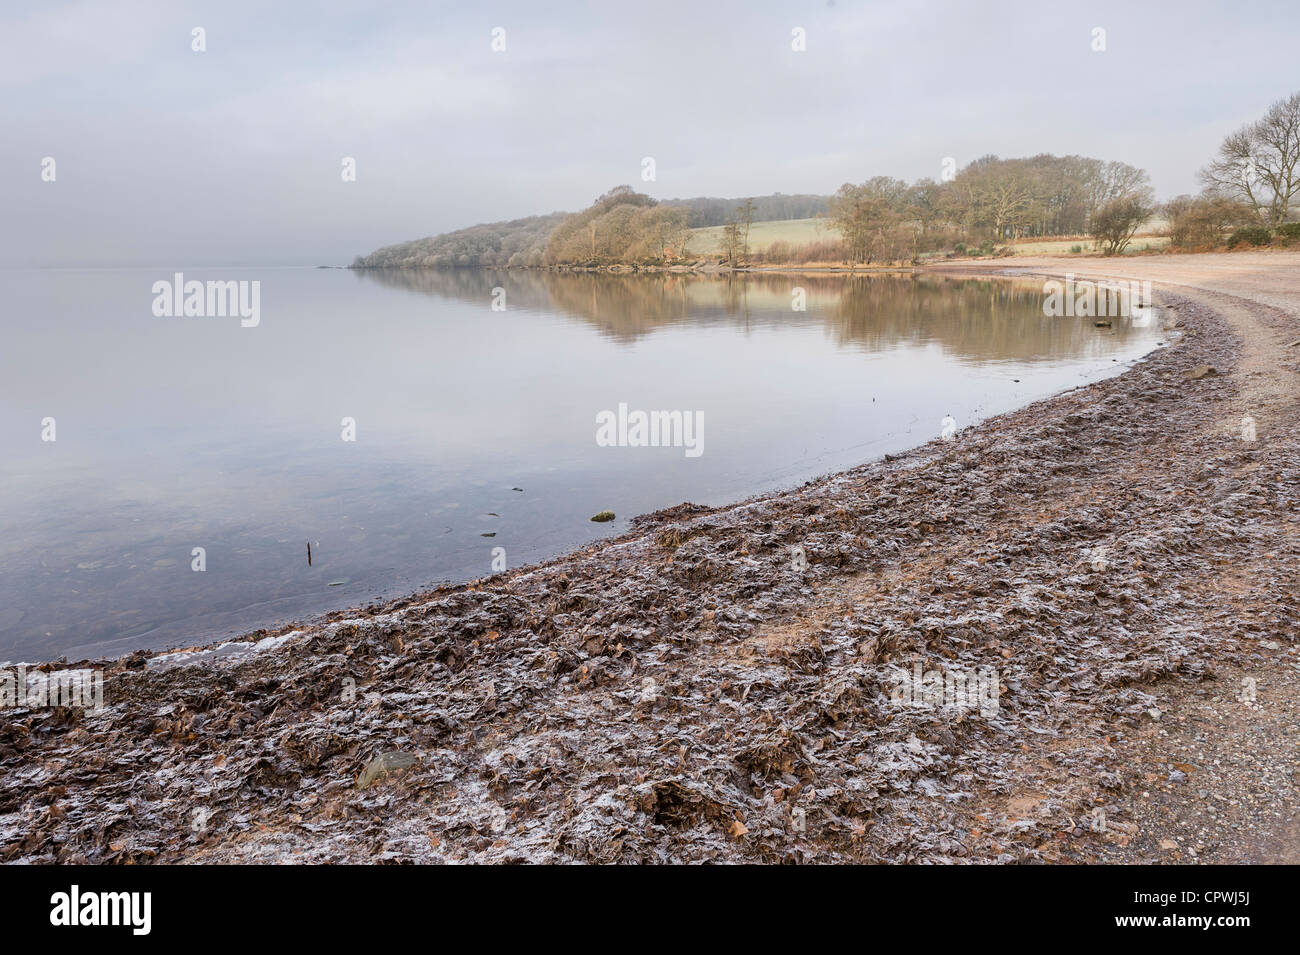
(383, 765)
(604, 516)
(1201, 371)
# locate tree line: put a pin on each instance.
(1249, 187)
(1248, 194)
(621, 226)
(704, 211)
(519, 243)
(990, 202)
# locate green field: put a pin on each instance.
(708, 241)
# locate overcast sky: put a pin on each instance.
(165, 156)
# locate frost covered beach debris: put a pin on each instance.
(715, 684)
(81, 688)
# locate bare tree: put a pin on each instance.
(1116, 222)
(923, 204)
(683, 240)
(1005, 200)
(1108, 181)
(746, 217)
(1201, 221)
(732, 240)
(869, 217)
(1258, 164)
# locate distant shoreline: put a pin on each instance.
(711, 269)
(1085, 260)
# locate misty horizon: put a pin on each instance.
(231, 156)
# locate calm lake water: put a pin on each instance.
(177, 433)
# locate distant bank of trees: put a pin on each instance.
(992, 201)
(706, 211)
(622, 227)
(519, 243)
(1251, 194)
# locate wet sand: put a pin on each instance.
(1117, 556)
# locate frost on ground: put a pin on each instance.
(701, 690)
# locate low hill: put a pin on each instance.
(517, 243)
(523, 242)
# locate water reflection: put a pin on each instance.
(976, 319)
(174, 433)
